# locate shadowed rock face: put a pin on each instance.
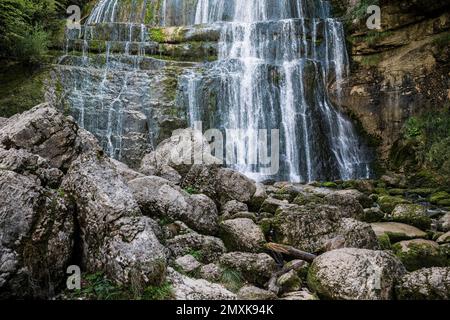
(398, 72)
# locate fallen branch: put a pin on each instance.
(291, 251)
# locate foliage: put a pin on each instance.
(232, 279)
(26, 27)
(424, 147)
(97, 286)
(360, 11)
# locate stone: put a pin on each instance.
(445, 238)
(242, 235)
(116, 237)
(311, 228)
(259, 197)
(45, 132)
(271, 205)
(303, 295)
(372, 215)
(355, 274)
(420, 253)
(253, 293)
(412, 214)
(185, 288)
(397, 231)
(388, 203)
(210, 272)
(232, 185)
(347, 201)
(232, 207)
(37, 238)
(289, 282)
(444, 222)
(158, 197)
(209, 248)
(187, 264)
(255, 268)
(437, 197)
(425, 284)
(125, 172)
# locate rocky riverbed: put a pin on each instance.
(179, 231)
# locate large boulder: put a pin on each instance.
(242, 235)
(444, 222)
(420, 253)
(397, 231)
(116, 237)
(158, 197)
(208, 248)
(36, 237)
(425, 284)
(45, 132)
(311, 228)
(350, 274)
(347, 203)
(253, 293)
(255, 268)
(412, 214)
(185, 288)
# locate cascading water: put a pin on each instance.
(275, 61)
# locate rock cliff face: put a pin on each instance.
(399, 71)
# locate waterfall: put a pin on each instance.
(276, 59)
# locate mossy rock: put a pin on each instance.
(331, 185)
(388, 203)
(372, 215)
(385, 242)
(438, 197)
(412, 214)
(423, 192)
(419, 253)
(397, 192)
(381, 191)
(305, 198)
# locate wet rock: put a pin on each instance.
(37, 237)
(45, 132)
(116, 237)
(187, 264)
(412, 214)
(255, 268)
(425, 284)
(185, 288)
(419, 253)
(242, 235)
(355, 274)
(254, 293)
(310, 228)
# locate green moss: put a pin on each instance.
(439, 197)
(191, 190)
(331, 185)
(22, 88)
(397, 192)
(161, 292)
(157, 35)
(371, 60)
(388, 203)
(385, 242)
(419, 256)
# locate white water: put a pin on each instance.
(263, 40)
